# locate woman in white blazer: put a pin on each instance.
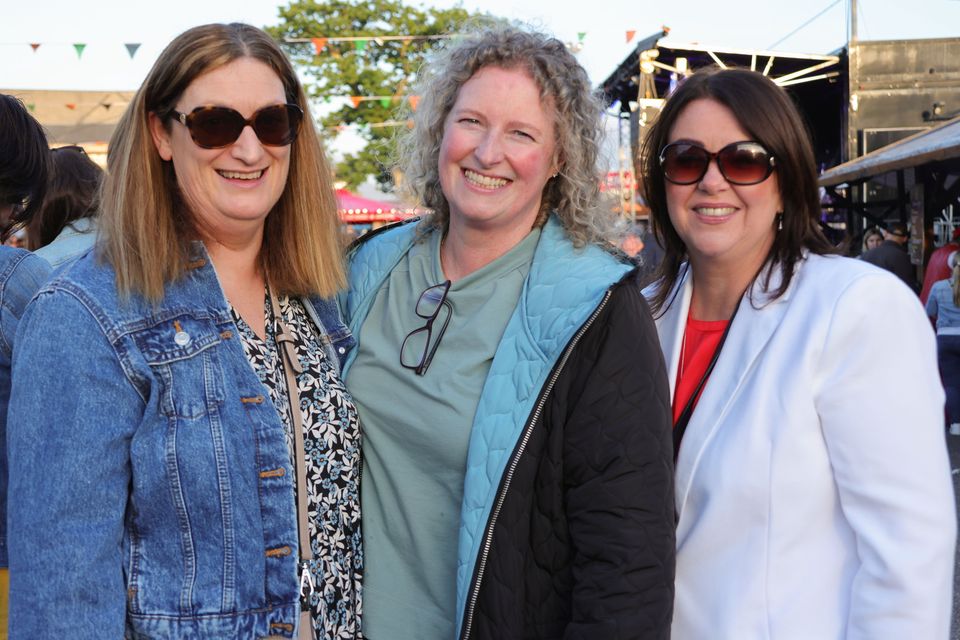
(803, 511)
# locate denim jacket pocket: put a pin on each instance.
(179, 351)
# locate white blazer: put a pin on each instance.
(813, 487)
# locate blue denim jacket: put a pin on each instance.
(151, 491)
(21, 274)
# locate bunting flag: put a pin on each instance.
(385, 102)
(71, 105)
(79, 47)
(581, 35)
(31, 106)
(132, 48)
(106, 105)
(630, 35)
(414, 101)
(356, 100)
(361, 45)
(34, 46)
(318, 44)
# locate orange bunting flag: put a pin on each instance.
(356, 100)
(414, 101)
(318, 44)
(34, 46)
(71, 106)
(630, 35)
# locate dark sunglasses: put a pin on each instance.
(217, 127)
(740, 163)
(418, 347)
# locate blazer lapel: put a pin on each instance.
(751, 330)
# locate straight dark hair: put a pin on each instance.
(23, 161)
(73, 192)
(769, 117)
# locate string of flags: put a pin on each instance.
(79, 47)
(322, 44)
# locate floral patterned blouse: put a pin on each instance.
(332, 446)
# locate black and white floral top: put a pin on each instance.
(332, 446)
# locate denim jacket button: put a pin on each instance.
(341, 350)
(182, 338)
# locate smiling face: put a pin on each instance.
(722, 225)
(228, 191)
(497, 153)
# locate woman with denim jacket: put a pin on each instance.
(23, 179)
(184, 456)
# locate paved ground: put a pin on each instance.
(953, 445)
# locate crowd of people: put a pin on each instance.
(484, 423)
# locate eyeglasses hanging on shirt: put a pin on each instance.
(419, 346)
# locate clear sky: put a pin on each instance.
(106, 25)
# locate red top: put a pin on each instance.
(700, 341)
(938, 268)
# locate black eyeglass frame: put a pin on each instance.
(187, 120)
(717, 157)
(430, 346)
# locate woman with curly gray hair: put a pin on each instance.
(517, 477)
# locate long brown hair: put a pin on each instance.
(769, 116)
(73, 192)
(145, 228)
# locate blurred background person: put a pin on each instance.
(872, 238)
(940, 265)
(892, 254)
(517, 465)
(943, 306)
(66, 227)
(803, 511)
(185, 457)
(23, 178)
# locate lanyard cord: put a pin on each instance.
(291, 366)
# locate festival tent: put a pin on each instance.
(356, 209)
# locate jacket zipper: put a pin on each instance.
(508, 477)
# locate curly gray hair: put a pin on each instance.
(574, 194)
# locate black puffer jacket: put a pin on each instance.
(582, 544)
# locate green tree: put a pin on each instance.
(376, 67)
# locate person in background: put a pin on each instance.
(517, 468)
(803, 511)
(872, 238)
(65, 227)
(892, 254)
(943, 306)
(184, 457)
(23, 178)
(940, 265)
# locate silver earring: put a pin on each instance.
(780, 221)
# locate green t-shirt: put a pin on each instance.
(416, 430)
